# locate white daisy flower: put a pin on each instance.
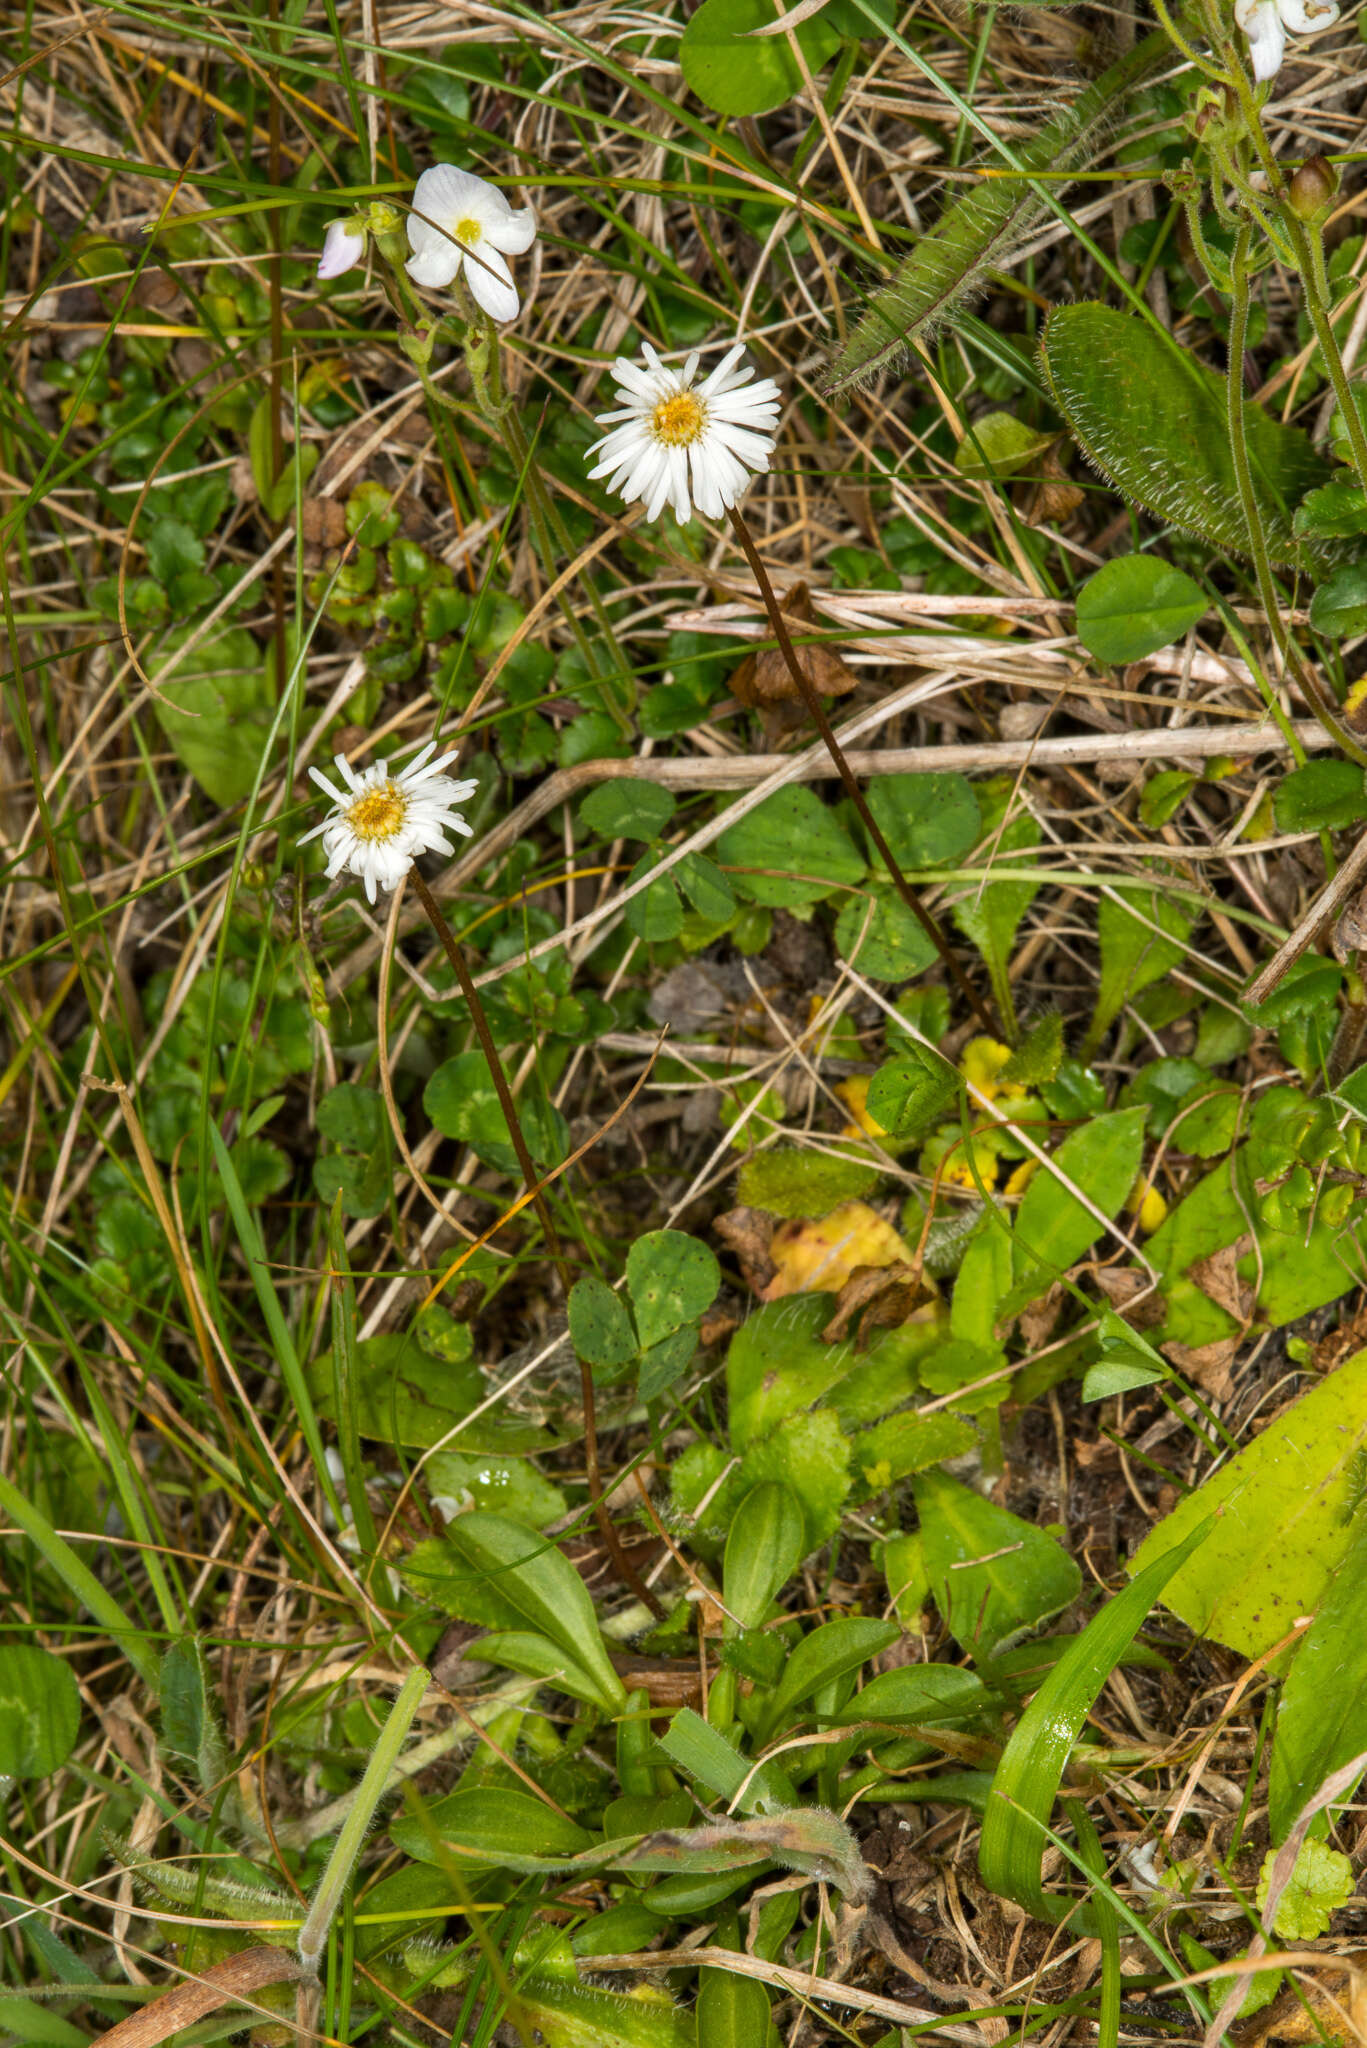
(382, 822)
(683, 443)
(1266, 24)
(343, 248)
(461, 222)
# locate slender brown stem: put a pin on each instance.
(455, 954)
(856, 795)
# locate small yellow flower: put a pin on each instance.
(854, 1093)
(981, 1062)
(1021, 1178)
(1147, 1205)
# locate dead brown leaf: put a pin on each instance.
(1207, 1364)
(1218, 1277)
(878, 1298)
(765, 682)
(748, 1233)
(228, 1982)
(1050, 496)
(1038, 1320)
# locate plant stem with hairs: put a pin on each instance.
(855, 794)
(1315, 693)
(455, 954)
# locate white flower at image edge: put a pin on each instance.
(461, 222)
(343, 248)
(1267, 23)
(381, 822)
(687, 443)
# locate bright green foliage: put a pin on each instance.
(1288, 1499)
(1322, 1718)
(733, 2012)
(792, 848)
(1321, 1882)
(910, 1093)
(541, 1586)
(1026, 1784)
(514, 1486)
(462, 1102)
(877, 934)
(1053, 1227)
(1135, 604)
(1339, 606)
(927, 820)
(999, 445)
(734, 71)
(989, 913)
(1323, 795)
(763, 1551)
(993, 1575)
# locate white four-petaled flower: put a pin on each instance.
(1267, 22)
(686, 443)
(381, 822)
(461, 222)
(343, 248)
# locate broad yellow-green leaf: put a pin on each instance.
(1286, 1507)
(1322, 1719)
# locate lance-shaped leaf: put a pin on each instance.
(1153, 419)
(980, 232)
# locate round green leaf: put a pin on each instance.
(600, 1327)
(1339, 606)
(998, 444)
(657, 914)
(884, 940)
(352, 1115)
(40, 1712)
(793, 848)
(673, 1278)
(215, 708)
(908, 1093)
(1321, 795)
(733, 71)
(627, 809)
(461, 1101)
(1135, 605)
(927, 820)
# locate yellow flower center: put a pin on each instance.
(379, 814)
(678, 421)
(468, 231)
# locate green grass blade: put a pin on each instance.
(254, 1252)
(1028, 1776)
(79, 1582)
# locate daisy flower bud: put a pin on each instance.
(461, 223)
(1311, 191)
(686, 443)
(380, 822)
(1267, 22)
(343, 248)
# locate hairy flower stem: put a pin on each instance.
(455, 954)
(1309, 247)
(486, 368)
(852, 790)
(1315, 693)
